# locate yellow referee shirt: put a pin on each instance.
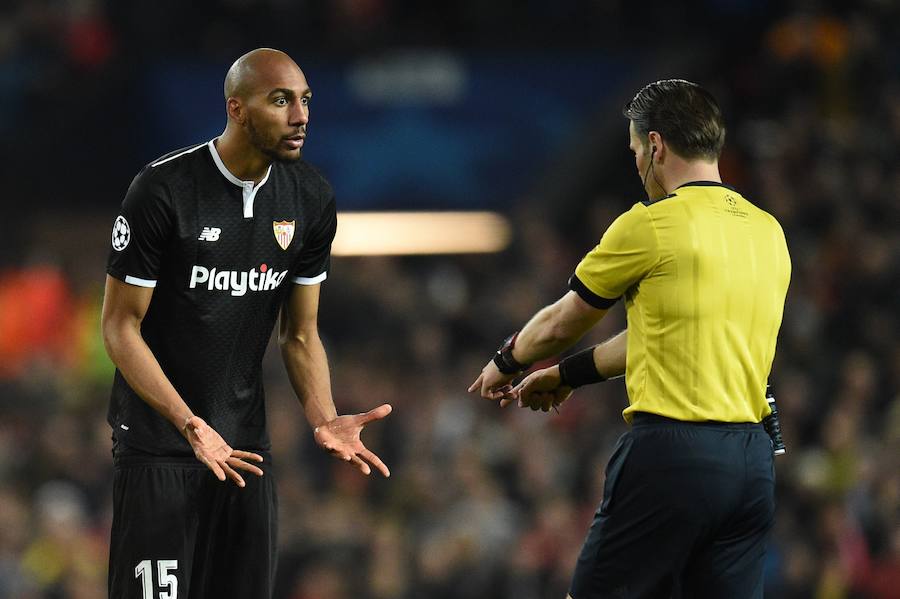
(704, 274)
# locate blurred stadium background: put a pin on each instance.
(509, 107)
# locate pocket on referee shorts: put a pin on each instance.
(614, 471)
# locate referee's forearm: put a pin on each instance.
(547, 334)
(609, 356)
(307, 367)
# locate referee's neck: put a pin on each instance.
(679, 171)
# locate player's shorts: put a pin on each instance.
(686, 512)
(179, 533)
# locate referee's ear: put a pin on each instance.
(655, 141)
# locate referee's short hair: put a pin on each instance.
(685, 114)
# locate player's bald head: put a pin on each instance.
(254, 69)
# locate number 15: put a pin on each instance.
(166, 581)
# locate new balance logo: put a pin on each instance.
(209, 234)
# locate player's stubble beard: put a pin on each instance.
(268, 145)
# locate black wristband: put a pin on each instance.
(578, 370)
(504, 359)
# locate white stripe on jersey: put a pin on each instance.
(248, 187)
(140, 282)
(310, 280)
(165, 160)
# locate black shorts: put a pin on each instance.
(686, 512)
(179, 533)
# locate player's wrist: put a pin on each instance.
(321, 421)
(504, 359)
(579, 369)
(185, 424)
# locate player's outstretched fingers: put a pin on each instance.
(233, 475)
(477, 384)
(377, 413)
(214, 466)
(375, 461)
(363, 467)
(236, 462)
(246, 455)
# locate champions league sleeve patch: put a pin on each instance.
(121, 234)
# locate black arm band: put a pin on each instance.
(507, 364)
(504, 359)
(578, 370)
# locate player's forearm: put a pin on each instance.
(609, 356)
(134, 359)
(307, 367)
(548, 333)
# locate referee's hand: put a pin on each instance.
(211, 449)
(542, 390)
(493, 384)
(340, 437)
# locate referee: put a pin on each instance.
(689, 495)
(213, 243)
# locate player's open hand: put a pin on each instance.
(541, 390)
(340, 437)
(211, 449)
(493, 384)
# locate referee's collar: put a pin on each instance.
(689, 184)
(706, 184)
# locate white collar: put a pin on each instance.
(248, 189)
(227, 173)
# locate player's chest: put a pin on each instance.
(218, 232)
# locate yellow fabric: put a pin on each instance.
(704, 274)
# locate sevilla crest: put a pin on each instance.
(284, 232)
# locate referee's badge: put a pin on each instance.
(284, 232)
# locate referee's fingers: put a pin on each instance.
(547, 401)
(525, 393)
(538, 401)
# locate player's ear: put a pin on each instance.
(235, 110)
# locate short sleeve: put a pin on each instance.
(140, 232)
(626, 253)
(315, 258)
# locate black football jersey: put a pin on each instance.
(222, 255)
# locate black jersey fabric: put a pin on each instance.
(222, 255)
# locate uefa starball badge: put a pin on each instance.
(121, 234)
(284, 232)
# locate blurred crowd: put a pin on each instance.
(484, 502)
